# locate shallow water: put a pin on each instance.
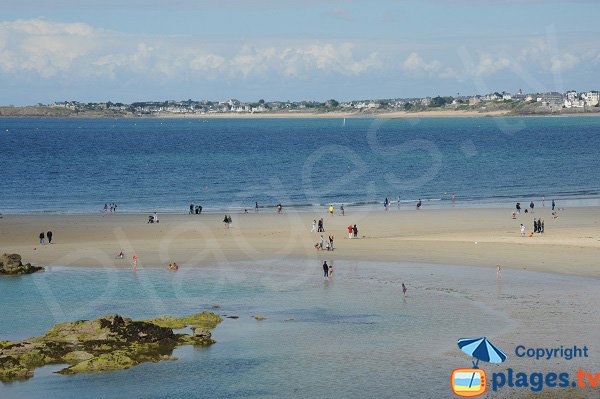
(336, 339)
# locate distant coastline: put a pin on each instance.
(51, 112)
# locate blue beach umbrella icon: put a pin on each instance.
(481, 349)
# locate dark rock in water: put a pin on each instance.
(11, 264)
(107, 343)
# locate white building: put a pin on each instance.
(591, 98)
(572, 95)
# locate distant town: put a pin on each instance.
(518, 104)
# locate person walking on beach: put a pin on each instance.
(105, 207)
(155, 217)
(350, 231)
(191, 209)
(531, 205)
(404, 289)
(553, 204)
(419, 204)
(535, 225)
(256, 206)
(331, 210)
(225, 221)
(342, 210)
(385, 204)
(49, 235)
(279, 208)
(321, 240)
(42, 238)
(314, 226)
(522, 230)
(541, 226)
(325, 270)
(355, 231)
(518, 207)
(331, 242)
(330, 271)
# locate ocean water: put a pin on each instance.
(77, 165)
(342, 338)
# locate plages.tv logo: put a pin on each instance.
(470, 382)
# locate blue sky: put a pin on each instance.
(289, 50)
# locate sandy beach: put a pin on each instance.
(473, 237)
(442, 113)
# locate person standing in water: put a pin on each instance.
(256, 206)
(553, 204)
(325, 270)
(191, 209)
(342, 209)
(385, 204)
(404, 289)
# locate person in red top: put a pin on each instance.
(349, 231)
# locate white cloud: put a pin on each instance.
(49, 49)
(489, 65)
(44, 47)
(414, 64)
(449, 73)
(563, 63)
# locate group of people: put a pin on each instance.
(318, 227)
(173, 266)
(153, 218)
(110, 208)
(538, 225)
(325, 245)
(44, 236)
(352, 231)
(197, 210)
(227, 221)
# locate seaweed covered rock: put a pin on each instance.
(11, 264)
(107, 343)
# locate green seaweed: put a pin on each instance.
(105, 344)
(199, 320)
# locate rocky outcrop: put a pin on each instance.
(11, 264)
(107, 343)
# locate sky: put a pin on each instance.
(134, 50)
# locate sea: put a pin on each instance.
(164, 165)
